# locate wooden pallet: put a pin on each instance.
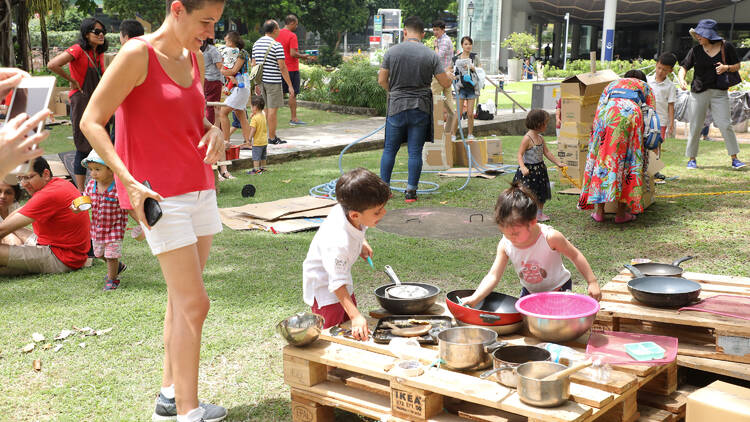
(363, 384)
(708, 342)
(667, 408)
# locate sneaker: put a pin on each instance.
(255, 171)
(272, 141)
(279, 141)
(542, 217)
(659, 176)
(737, 164)
(166, 410)
(692, 165)
(297, 122)
(410, 196)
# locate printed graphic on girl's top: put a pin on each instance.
(531, 272)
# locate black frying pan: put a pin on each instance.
(661, 291)
(655, 268)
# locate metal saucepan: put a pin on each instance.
(535, 392)
(467, 348)
(496, 309)
(662, 292)
(407, 305)
(670, 270)
(508, 358)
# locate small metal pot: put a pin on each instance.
(508, 358)
(467, 348)
(535, 392)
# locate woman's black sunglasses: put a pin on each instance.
(98, 31)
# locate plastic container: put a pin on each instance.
(558, 352)
(233, 153)
(647, 350)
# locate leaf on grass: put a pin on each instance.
(82, 345)
(443, 202)
(37, 337)
(47, 346)
(58, 347)
(139, 342)
(28, 348)
(102, 332)
(64, 334)
(286, 181)
(38, 365)
(86, 331)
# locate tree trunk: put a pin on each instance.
(22, 31)
(7, 57)
(338, 41)
(45, 42)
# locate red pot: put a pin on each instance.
(496, 309)
(233, 153)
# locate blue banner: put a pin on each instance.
(609, 45)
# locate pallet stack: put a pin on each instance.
(580, 97)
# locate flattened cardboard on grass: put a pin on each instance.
(290, 215)
(276, 209)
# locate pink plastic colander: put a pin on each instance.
(609, 346)
(557, 305)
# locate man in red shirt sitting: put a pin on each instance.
(63, 238)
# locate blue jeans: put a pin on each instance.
(410, 126)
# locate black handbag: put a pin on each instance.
(726, 79)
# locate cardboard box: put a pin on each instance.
(434, 158)
(578, 110)
(478, 149)
(576, 130)
(719, 401)
(494, 151)
(587, 84)
(572, 158)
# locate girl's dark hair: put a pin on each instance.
(536, 119)
(467, 38)
(87, 25)
(635, 74)
(515, 205)
(236, 39)
(206, 43)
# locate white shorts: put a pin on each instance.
(184, 218)
(238, 98)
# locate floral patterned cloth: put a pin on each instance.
(615, 163)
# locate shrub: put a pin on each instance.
(65, 39)
(315, 84)
(329, 57)
(355, 83)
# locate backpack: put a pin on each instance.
(483, 113)
(651, 126)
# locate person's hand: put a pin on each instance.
(525, 171)
(10, 78)
(683, 84)
(214, 138)
(75, 85)
(670, 129)
(366, 251)
(470, 301)
(257, 89)
(721, 68)
(359, 328)
(292, 94)
(138, 193)
(15, 147)
(594, 291)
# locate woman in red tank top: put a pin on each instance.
(155, 84)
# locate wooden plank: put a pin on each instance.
(707, 290)
(362, 382)
(476, 412)
(625, 410)
(590, 396)
(618, 382)
(731, 369)
(304, 410)
(674, 403)
(650, 414)
(702, 278)
(663, 384)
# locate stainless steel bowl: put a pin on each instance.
(558, 330)
(301, 329)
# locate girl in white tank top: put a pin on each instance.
(535, 250)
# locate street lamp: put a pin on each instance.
(731, 28)
(470, 12)
(565, 50)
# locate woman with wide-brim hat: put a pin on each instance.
(706, 58)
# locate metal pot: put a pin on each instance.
(467, 348)
(669, 270)
(407, 306)
(535, 392)
(495, 309)
(508, 358)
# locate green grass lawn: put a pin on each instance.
(520, 91)
(61, 137)
(254, 281)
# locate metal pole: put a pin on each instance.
(471, 20)
(565, 47)
(661, 29)
(734, 13)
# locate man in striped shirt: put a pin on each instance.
(444, 50)
(274, 69)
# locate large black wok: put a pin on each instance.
(662, 292)
(655, 268)
(407, 306)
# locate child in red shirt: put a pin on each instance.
(108, 220)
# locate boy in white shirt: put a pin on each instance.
(665, 94)
(327, 284)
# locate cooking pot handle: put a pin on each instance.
(489, 318)
(635, 271)
(489, 373)
(677, 262)
(494, 346)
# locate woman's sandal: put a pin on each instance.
(627, 218)
(228, 175)
(596, 217)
